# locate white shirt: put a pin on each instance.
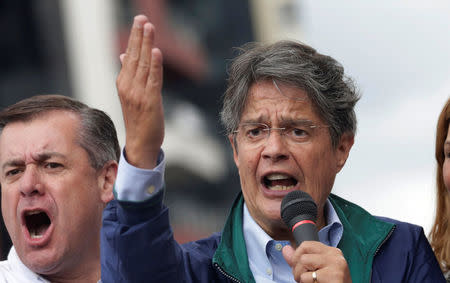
(13, 270)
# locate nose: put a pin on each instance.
(275, 147)
(30, 183)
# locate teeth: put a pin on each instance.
(33, 212)
(273, 177)
(34, 235)
(280, 188)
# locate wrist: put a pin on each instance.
(144, 159)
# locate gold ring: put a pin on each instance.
(314, 276)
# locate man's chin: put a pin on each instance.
(41, 262)
(272, 211)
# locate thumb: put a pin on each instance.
(288, 253)
(122, 57)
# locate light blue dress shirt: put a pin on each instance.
(136, 184)
(264, 253)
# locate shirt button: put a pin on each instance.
(269, 271)
(151, 189)
(278, 247)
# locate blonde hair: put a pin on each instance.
(440, 232)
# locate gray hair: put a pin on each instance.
(333, 94)
(97, 133)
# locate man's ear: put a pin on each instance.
(232, 140)
(343, 149)
(106, 180)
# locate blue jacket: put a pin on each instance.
(137, 245)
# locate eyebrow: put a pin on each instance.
(288, 121)
(296, 122)
(260, 119)
(12, 163)
(40, 157)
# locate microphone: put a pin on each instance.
(299, 213)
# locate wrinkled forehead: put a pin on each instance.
(278, 89)
(50, 131)
(268, 98)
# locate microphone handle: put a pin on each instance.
(305, 232)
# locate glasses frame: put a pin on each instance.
(282, 130)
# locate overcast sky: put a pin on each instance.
(398, 52)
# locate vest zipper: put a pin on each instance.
(384, 241)
(379, 247)
(216, 265)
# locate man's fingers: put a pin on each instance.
(145, 57)
(155, 79)
(328, 262)
(308, 277)
(134, 41)
(128, 70)
(313, 261)
(300, 263)
(288, 254)
(134, 45)
(311, 247)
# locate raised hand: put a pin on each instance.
(139, 86)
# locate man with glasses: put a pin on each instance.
(289, 115)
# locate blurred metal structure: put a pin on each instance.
(90, 33)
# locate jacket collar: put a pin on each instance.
(231, 254)
(363, 235)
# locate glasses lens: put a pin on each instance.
(253, 134)
(300, 133)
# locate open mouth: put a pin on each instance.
(279, 182)
(37, 223)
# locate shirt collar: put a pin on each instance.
(256, 238)
(267, 264)
(21, 271)
(331, 234)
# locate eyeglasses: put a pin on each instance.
(256, 134)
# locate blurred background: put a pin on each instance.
(396, 51)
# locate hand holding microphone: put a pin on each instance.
(312, 261)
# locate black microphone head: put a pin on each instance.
(298, 203)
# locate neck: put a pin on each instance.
(282, 233)
(86, 270)
(90, 276)
(321, 219)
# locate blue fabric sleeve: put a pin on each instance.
(137, 185)
(406, 257)
(137, 243)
